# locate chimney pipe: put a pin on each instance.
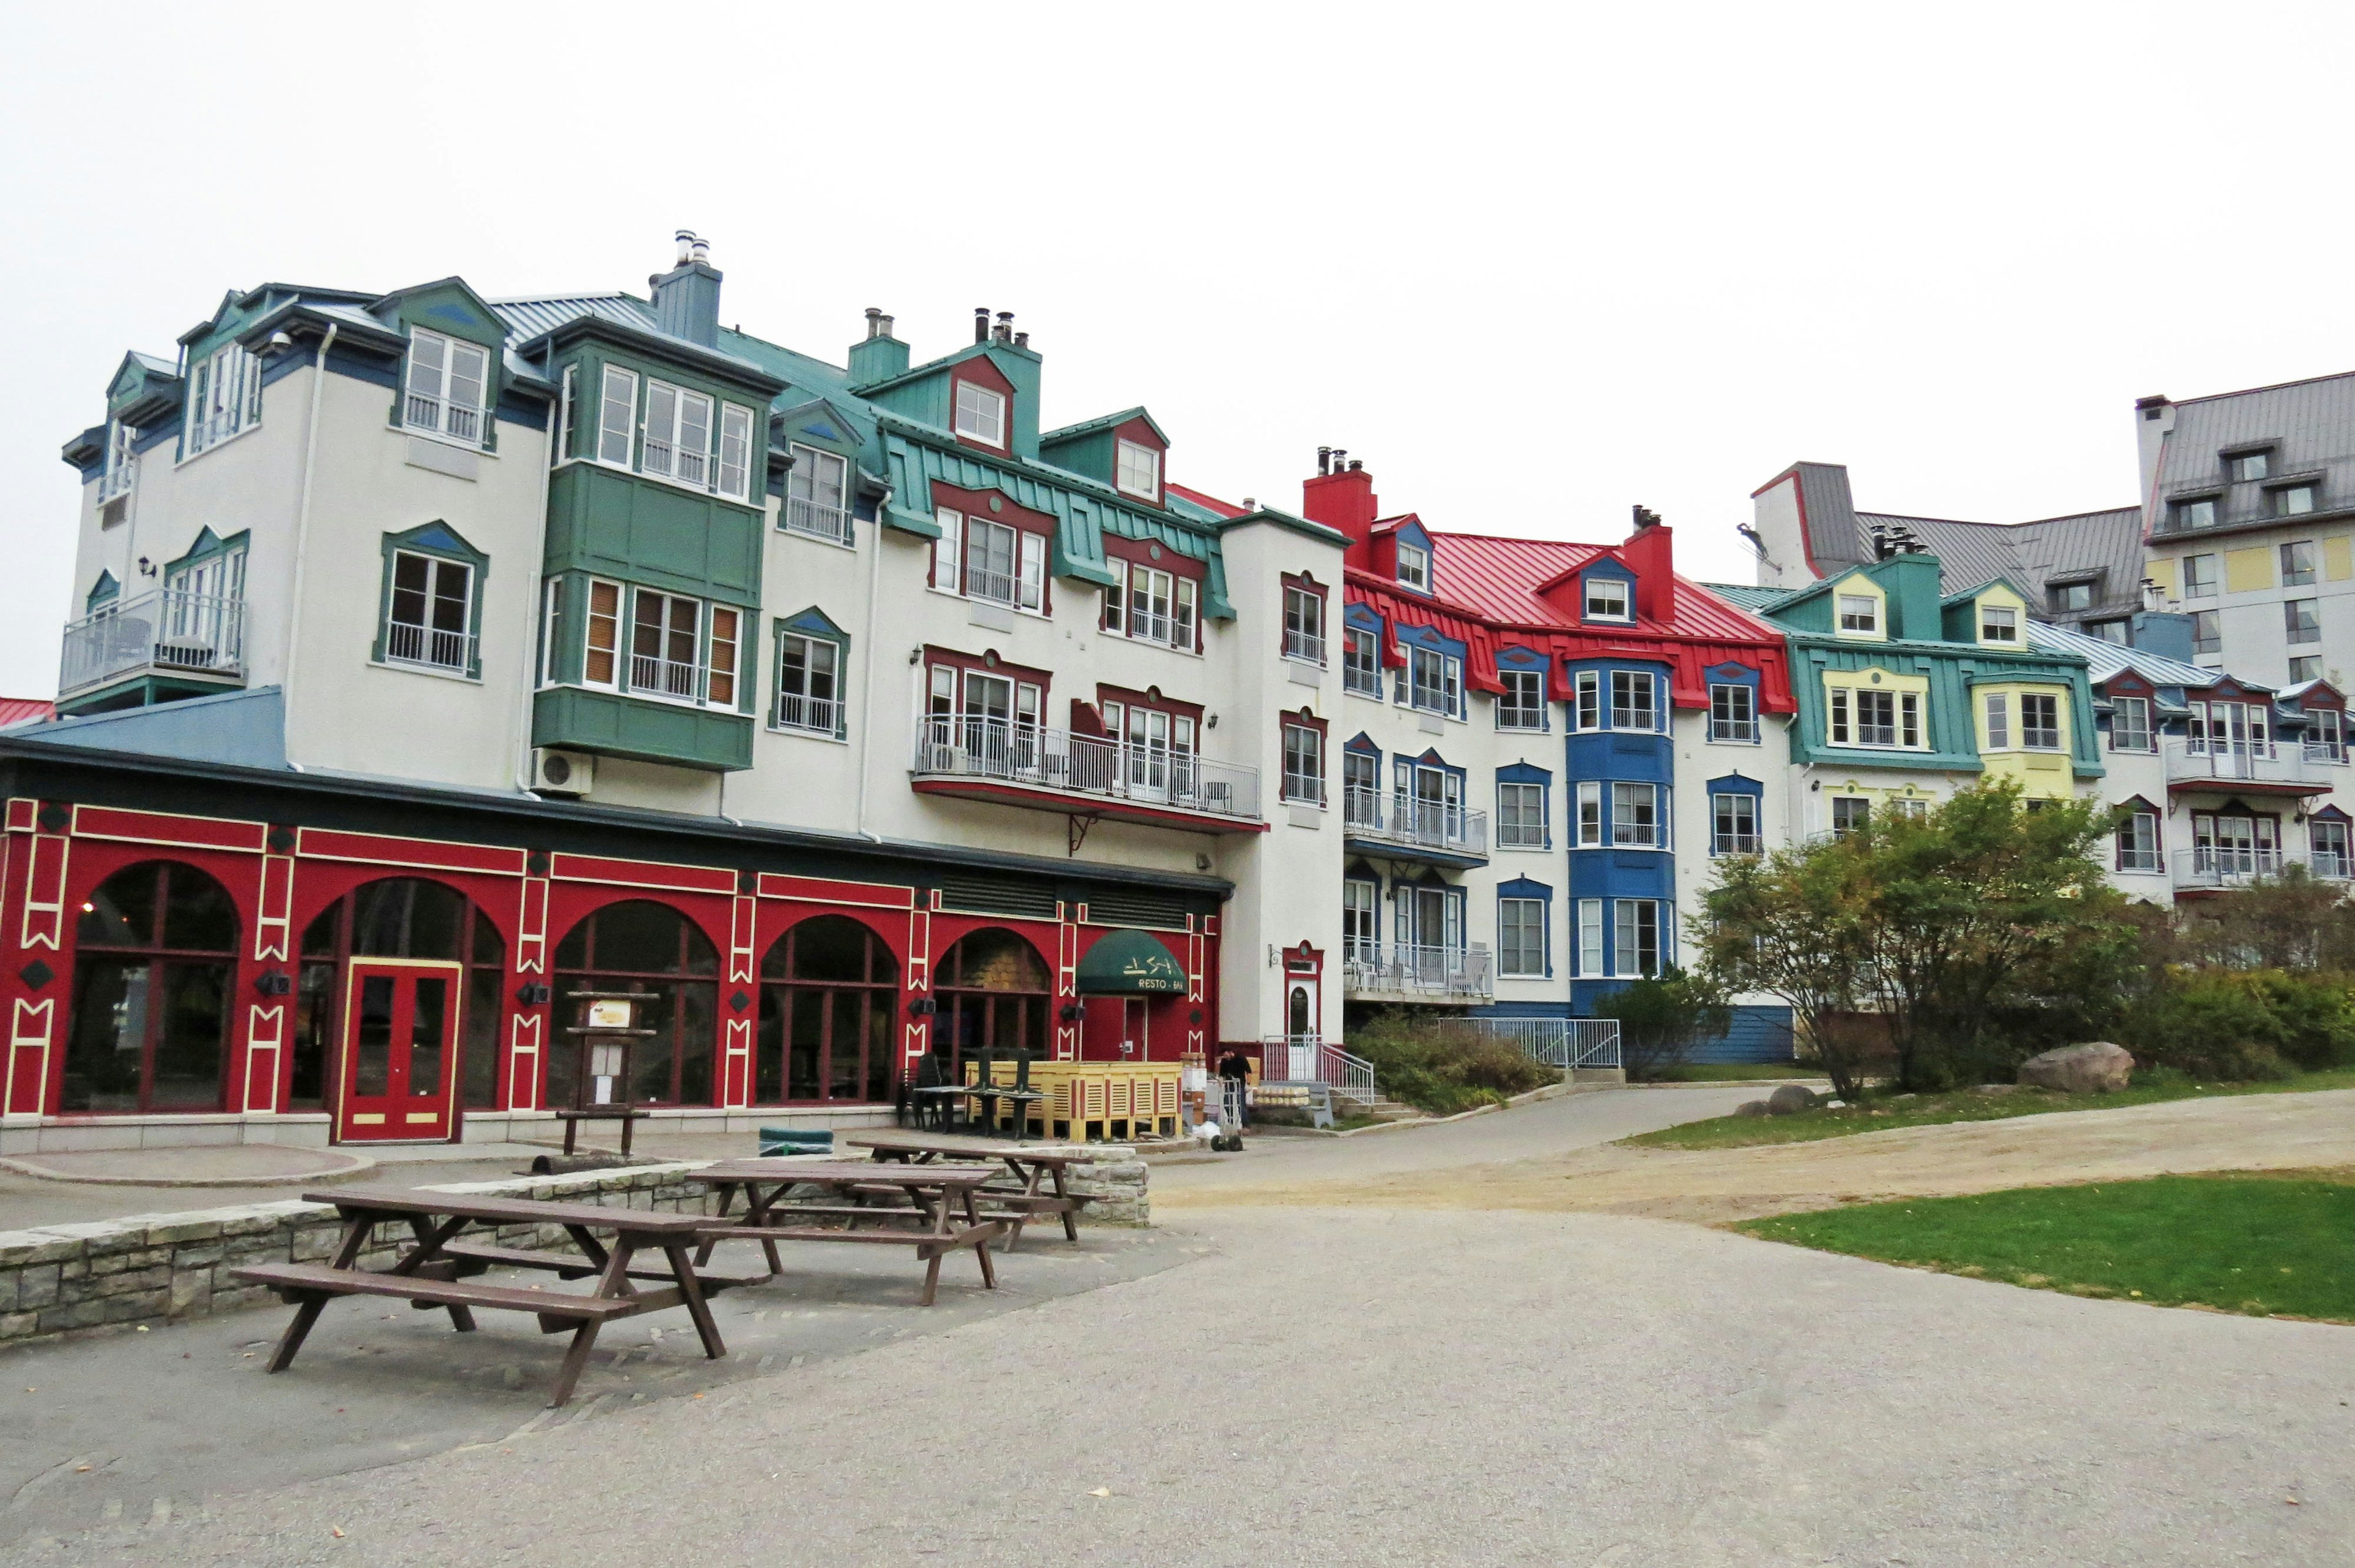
(1338, 453)
(874, 321)
(1645, 517)
(1021, 340)
(887, 322)
(685, 247)
(981, 324)
(701, 250)
(1004, 326)
(1356, 465)
(1324, 460)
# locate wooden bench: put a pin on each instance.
(427, 1274)
(941, 1197)
(1017, 1191)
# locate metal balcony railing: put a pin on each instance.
(652, 676)
(817, 714)
(428, 645)
(981, 582)
(456, 421)
(1429, 974)
(2234, 865)
(1404, 819)
(2244, 763)
(1312, 1059)
(1562, 1043)
(1306, 646)
(170, 629)
(1084, 764)
(819, 519)
(1356, 678)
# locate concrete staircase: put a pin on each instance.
(1380, 1107)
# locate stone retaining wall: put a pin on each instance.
(157, 1268)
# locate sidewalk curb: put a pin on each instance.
(332, 1174)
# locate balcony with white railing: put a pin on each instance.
(1304, 646)
(674, 679)
(817, 715)
(822, 520)
(1083, 775)
(2275, 767)
(1404, 972)
(1288, 1059)
(169, 632)
(1419, 829)
(429, 647)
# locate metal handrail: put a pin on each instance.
(1072, 764)
(1313, 1058)
(405, 642)
(1363, 682)
(1563, 1043)
(2262, 762)
(1306, 646)
(819, 519)
(819, 714)
(170, 628)
(666, 678)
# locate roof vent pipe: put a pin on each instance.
(1021, 340)
(700, 249)
(1356, 465)
(1338, 453)
(874, 321)
(1324, 460)
(1004, 326)
(981, 324)
(685, 247)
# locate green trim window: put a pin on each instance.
(812, 655)
(566, 414)
(681, 436)
(448, 379)
(683, 649)
(121, 464)
(617, 417)
(224, 398)
(430, 610)
(212, 571)
(677, 434)
(102, 592)
(817, 495)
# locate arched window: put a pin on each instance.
(399, 917)
(829, 996)
(652, 948)
(154, 967)
(994, 995)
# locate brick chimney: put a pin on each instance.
(1340, 495)
(1650, 553)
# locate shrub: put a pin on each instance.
(1442, 1065)
(1661, 1021)
(2266, 1024)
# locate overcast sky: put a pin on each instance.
(1533, 264)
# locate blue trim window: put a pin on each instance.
(1733, 824)
(1608, 597)
(1361, 661)
(1586, 951)
(1521, 815)
(1413, 567)
(1521, 937)
(1643, 940)
(1633, 700)
(1362, 903)
(1432, 682)
(1639, 816)
(1586, 711)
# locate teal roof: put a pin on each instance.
(1747, 597)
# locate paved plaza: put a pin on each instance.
(1296, 1381)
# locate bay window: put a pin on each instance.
(1998, 721)
(1637, 820)
(2040, 722)
(617, 416)
(1640, 947)
(735, 451)
(1632, 701)
(1590, 814)
(683, 649)
(448, 378)
(678, 433)
(1586, 958)
(1588, 708)
(601, 659)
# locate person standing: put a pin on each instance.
(1235, 1068)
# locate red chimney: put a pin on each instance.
(1344, 500)
(1651, 553)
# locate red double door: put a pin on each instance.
(400, 1048)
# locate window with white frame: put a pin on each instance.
(1607, 599)
(2326, 734)
(1522, 938)
(1362, 789)
(431, 619)
(1640, 935)
(617, 416)
(567, 416)
(683, 649)
(980, 413)
(1521, 705)
(1849, 812)
(122, 460)
(1587, 958)
(2130, 724)
(2328, 838)
(448, 379)
(1998, 624)
(678, 433)
(1733, 823)
(1860, 615)
(1638, 821)
(1522, 816)
(1136, 469)
(1633, 700)
(1733, 713)
(2040, 722)
(600, 636)
(1435, 682)
(808, 688)
(1862, 716)
(1413, 567)
(1303, 764)
(818, 495)
(1590, 814)
(2138, 842)
(2201, 574)
(1151, 605)
(1361, 661)
(224, 397)
(1304, 624)
(552, 629)
(1998, 720)
(1587, 710)
(986, 560)
(1358, 920)
(734, 479)
(1906, 808)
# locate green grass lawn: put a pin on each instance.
(1879, 1114)
(2258, 1244)
(1738, 1072)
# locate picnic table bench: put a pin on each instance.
(1015, 1194)
(437, 1271)
(939, 1197)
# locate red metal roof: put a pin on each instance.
(25, 710)
(1211, 503)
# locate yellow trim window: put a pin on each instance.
(1998, 624)
(1873, 716)
(1860, 615)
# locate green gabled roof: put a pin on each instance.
(1748, 597)
(1966, 595)
(649, 340)
(1106, 421)
(931, 367)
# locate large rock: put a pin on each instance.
(1789, 1100)
(2096, 1068)
(1751, 1108)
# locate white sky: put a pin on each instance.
(1533, 264)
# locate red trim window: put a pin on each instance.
(1303, 758)
(1304, 618)
(988, 708)
(990, 549)
(981, 405)
(1159, 738)
(1137, 461)
(1155, 596)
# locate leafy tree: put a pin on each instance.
(1791, 924)
(1661, 1019)
(2294, 920)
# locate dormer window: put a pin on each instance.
(1607, 599)
(980, 414)
(2069, 596)
(1859, 614)
(2252, 464)
(1998, 624)
(1137, 470)
(2292, 500)
(1413, 567)
(2198, 514)
(446, 381)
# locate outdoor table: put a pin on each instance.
(433, 1273)
(1029, 1168)
(937, 1195)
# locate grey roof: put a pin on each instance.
(2106, 658)
(157, 364)
(2309, 425)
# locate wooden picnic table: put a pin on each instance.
(1029, 1168)
(939, 1197)
(436, 1272)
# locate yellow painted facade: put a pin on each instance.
(2337, 559)
(2160, 569)
(1863, 587)
(1873, 677)
(2248, 570)
(2040, 774)
(1996, 594)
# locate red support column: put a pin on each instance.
(35, 901)
(742, 1001)
(528, 1030)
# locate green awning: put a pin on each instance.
(1128, 964)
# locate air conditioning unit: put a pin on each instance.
(562, 772)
